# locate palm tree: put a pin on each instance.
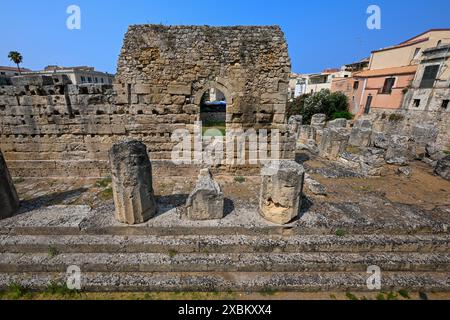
(17, 58)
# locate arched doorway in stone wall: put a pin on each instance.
(214, 105)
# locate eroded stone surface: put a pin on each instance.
(206, 202)
(443, 168)
(333, 143)
(361, 134)
(281, 191)
(132, 182)
(9, 201)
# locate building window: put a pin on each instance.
(416, 103)
(388, 85)
(439, 43)
(2, 73)
(89, 79)
(356, 85)
(445, 104)
(83, 79)
(101, 80)
(416, 53)
(429, 76)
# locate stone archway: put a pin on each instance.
(197, 99)
(168, 68)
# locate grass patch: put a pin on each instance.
(447, 152)
(220, 126)
(351, 296)
(380, 296)
(104, 182)
(394, 117)
(268, 292)
(106, 194)
(52, 251)
(340, 232)
(353, 150)
(342, 115)
(56, 289)
(172, 253)
(18, 180)
(404, 294)
(392, 296)
(14, 292)
(239, 179)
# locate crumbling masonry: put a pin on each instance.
(50, 127)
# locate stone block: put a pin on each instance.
(443, 168)
(140, 88)
(361, 134)
(424, 134)
(398, 151)
(9, 201)
(333, 143)
(207, 200)
(337, 123)
(132, 183)
(318, 121)
(379, 140)
(32, 80)
(177, 89)
(281, 191)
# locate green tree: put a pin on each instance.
(332, 104)
(295, 107)
(17, 58)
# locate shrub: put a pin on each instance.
(394, 117)
(325, 102)
(342, 115)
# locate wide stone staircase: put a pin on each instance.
(113, 260)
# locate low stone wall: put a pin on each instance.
(60, 130)
(403, 122)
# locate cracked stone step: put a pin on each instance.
(234, 281)
(223, 244)
(217, 262)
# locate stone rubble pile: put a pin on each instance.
(365, 150)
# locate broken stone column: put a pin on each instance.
(337, 123)
(333, 143)
(318, 121)
(399, 151)
(132, 182)
(361, 134)
(281, 191)
(207, 200)
(9, 201)
(294, 124)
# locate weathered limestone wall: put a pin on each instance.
(404, 121)
(172, 67)
(49, 127)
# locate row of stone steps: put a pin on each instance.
(233, 281)
(225, 244)
(221, 262)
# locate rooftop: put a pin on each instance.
(386, 72)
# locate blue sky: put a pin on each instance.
(320, 33)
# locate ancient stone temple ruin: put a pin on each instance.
(110, 200)
(53, 128)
